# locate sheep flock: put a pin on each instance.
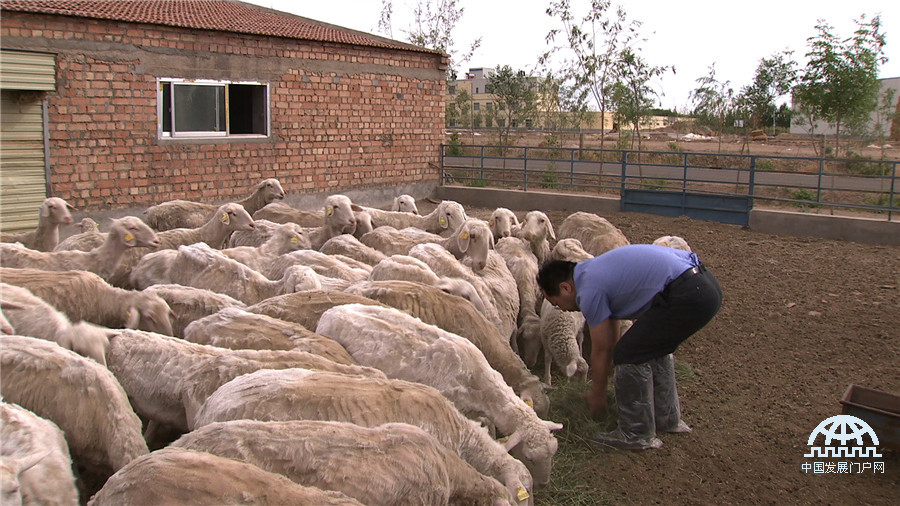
(251, 352)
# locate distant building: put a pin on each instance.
(800, 127)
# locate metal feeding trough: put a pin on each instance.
(881, 410)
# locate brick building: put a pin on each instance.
(133, 103)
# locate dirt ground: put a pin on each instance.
(801, 320)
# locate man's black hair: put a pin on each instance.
(553, 273)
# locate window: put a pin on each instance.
(476, 106)
(199, 108)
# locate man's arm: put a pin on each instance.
(604, 336)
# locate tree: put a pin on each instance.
(840, 81)
(773, 79)
(632, 95)
(433, 25)
(593, 49)
(515, 94)
(713, 100)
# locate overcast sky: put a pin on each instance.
(689, 34)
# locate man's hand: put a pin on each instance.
(596, 400)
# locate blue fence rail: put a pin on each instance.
(852, 184)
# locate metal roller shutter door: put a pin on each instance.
(23, 185)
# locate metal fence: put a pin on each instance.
(857, 184)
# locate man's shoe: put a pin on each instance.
(617, 439)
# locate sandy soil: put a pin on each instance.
(802, 319)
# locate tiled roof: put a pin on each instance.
(219, 15)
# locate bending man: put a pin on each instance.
(670, 295)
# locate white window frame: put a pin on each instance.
(173, 134)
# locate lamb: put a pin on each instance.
(54, 212)
(523, 266)
(339, 218)
(167, 379)
(215, 232)
(597, 235)
(406, 348)
(200, 266)
(407, 268)
(38, 319)
(188, 303)
(79, 395)
(471, 240)
(89, 238)
(238, 329)
(184, 214)
(349, 246)
(403, 464)
(562, 333)
(368, 402)
(124, 233)
(178, 476)
(85, 296)
(405, 204)
(444, 220)
(284, 239)
(672, 241)
(536, 228)
(38, 453)
(443, 310)
(503, 222)
(306, 307)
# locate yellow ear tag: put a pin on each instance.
(294, 240)
(129, 237)
(530, 403)
(490, 223)
(503, 440)
(464, 236)
(225, 218)
(329, 211)
(443, 221)
(522, 494)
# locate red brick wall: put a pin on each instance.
(342, 117)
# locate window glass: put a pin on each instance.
(212, 109)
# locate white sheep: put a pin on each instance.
(444, 220)
(79, 395)
(406, 348)
(436, 307)
(562, 335)
(227, 219)
(54, 212)
(238, 329)
(283, 239)
(167, 378)
(5, 326)
(179, 476)
(306, 307)
(504, 291)
(38, 319)
(402, 463)
(672, 241)
(185, 214)
(569, 249)
(523, 265)
(337, 217)
(407, 268)
(86, 296)
(597, 235)
(444, 264)
(127, 232)
(38, 451)
(404, 204)
(330, 266)
(89, 238)
(503, 222)
(537, 230)
(200, 266)
(471, 240)
(350, 246)
(368, 402)
(189, 304)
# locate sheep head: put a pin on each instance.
(271, 190)
(132, 231)
(405, 204)
(536, 227)
(56, 210)
(502, 222)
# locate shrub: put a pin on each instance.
(765, 165)
(866, 166)
(805, 196)
(454, 149)
(654, 184)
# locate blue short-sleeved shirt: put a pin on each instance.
(622, 282)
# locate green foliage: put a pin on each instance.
(515, 95)
(654, 184)
(866, 166)
(550, 177)
(765, 165)
(433, 26)
(477, 183)
(674, 146)
(880, 200)
(713, 101)
(454, 149)
(806, 196)
(773, 79)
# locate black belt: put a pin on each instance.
(693, 271)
